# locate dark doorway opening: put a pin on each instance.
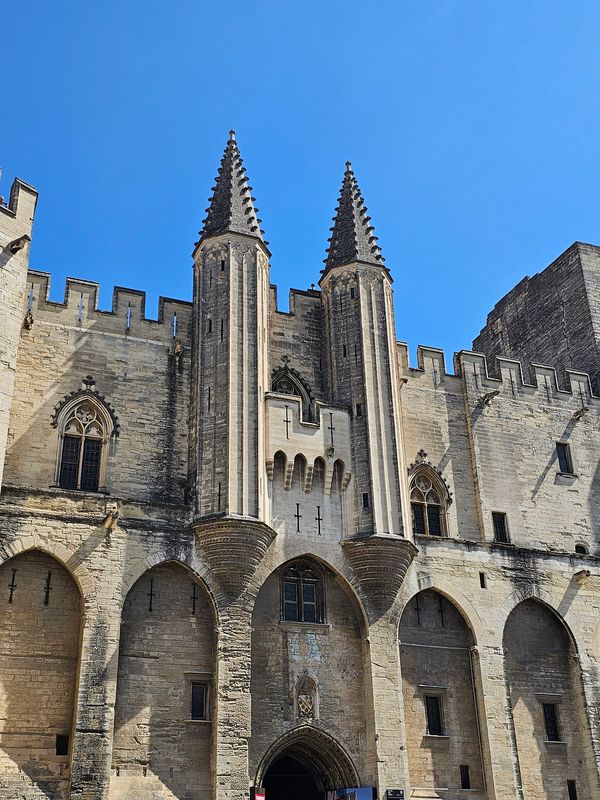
(288, 779)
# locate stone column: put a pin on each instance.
(94, 721)
(233, 708)
(499, 747)
(390, 769)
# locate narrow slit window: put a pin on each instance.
(199, 695)
(359, 409)
(551, 722)
(500, 526)
(465, 778)
(222, 265)
(62, 744)
(572, 790)
(433, 712)
(482, 581)
(563, 453)
(365, 500)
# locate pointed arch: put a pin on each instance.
(547, 709)
(286, 380)
(325, 758)
(318, 475)
(429, 500)
(41, 621)
(86, 424)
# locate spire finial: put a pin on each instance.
(231, 206)
(353, 238)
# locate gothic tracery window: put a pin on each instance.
(84, 433)
(428, 506)
(301, 593)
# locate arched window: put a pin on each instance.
(428, 506)
(85, 428)
(301, 593)
(288, 381)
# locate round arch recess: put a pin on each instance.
(323, 757)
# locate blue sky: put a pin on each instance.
(473, 128)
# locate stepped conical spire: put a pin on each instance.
(231, 206)
(352, 238)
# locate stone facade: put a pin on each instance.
(235, 538)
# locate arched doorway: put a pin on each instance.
(288, 779)
(305, 763)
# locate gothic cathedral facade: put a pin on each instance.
(246, 551)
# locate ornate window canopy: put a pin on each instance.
(86, 423)
(286, 380)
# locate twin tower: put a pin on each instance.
(314, 393)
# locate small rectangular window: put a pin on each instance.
(62, 744)
(365, 500)
(209, 325)
(482, 581)
(352, 293)
(551, 722)
(500, 526)
(222, 265)
(465, 778)
(198, 700)
(572, 790)
(563, 453)
(433, 711)
(359, 409)
(344, 351)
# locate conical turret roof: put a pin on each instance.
(352, 236)
(231, 206)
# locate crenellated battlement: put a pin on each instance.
(474, 369)
(126, 316)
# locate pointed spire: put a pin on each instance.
(353, 237)
(231, 206)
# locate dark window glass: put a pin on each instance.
(418, 516)
(198, 701)
(309, 602)
(62, 745)
(500, 527)
(572, 790)
(551, 722)
(434, 520)
(433, 709)
(359, 409)
(564, 457)
(365, 500)
(69, 463)
(90, 468)
(352, 293)
(581, 549)
(482, 580)
(301, 594)
(465, 778)
(290, 601)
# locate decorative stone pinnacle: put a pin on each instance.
(231, 208)
(352, 236)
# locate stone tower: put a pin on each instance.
(231, 287)
(359, 319)
(16, 221)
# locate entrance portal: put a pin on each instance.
(305, 764)
(288, 779)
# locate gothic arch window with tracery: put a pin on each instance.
(302, 593)
(287, 381)
(428, 503)
(85, 427)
